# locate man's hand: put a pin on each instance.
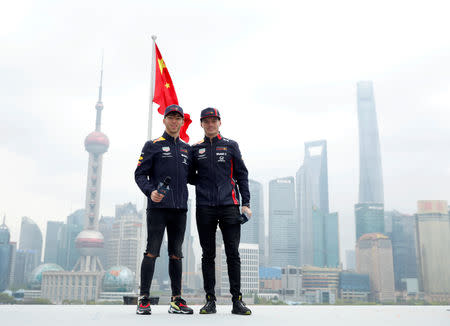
(247, 211)
(156, 196)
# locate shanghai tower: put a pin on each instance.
(370, 174)
(369, 212)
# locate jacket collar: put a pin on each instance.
(170, 138)
(214, 140)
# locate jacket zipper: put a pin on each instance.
(177, 152)
(214, 192)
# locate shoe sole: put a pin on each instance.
(244, 314)
(143, 312)
(180, 312)
(204, 312)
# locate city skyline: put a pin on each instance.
(45, 119)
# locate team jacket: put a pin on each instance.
(220, 173)
(160, 158)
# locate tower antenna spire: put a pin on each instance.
(100, 88)
(99, 105)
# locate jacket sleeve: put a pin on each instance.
(241, 174)
(143, 170)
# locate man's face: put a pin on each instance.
(211, 126)
(173, 122)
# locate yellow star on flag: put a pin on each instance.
(167, 85)
(161, 64)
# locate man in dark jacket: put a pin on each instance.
(220, 176)
(162, 175)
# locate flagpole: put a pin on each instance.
(152, 89)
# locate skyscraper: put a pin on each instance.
(25, 263)
(369, 212)
(249, 269)
(318, 229)
(374, 257)
(188, 260)
(51, 242)
(403, 237)
(124, 246)
(433, 243)
(67, 253)
(31, 238)
(5, 256)
(253, 230)
(370, 174)
(105, 226)
(283, 226)
(326, 239)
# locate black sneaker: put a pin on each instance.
(210, 305)
(239, 307)
(178, 306)
(143, 306)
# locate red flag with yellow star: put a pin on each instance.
(165, 92)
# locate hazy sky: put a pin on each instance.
(281, 73)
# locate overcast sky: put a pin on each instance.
(282, 73)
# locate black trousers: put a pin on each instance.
(158, 219)
(227, 217)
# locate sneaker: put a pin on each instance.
(210, 305)
(178, 306)
(239, 307)
(143, 307)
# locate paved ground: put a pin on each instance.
(32, 315)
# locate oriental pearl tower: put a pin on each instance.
(90, 241)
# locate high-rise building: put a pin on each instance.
(433, 244)
(67, 253)
(326, 239)
(253, 230)
(318, 229)
(105, 226)
(189, 274)
(51, 242)
(370, 174)
(31, 239)
(374, 257)
(369, 218)
(25, 263)
(403, 236)
(249, 254)
(28, 256)
(124, 246)
(90, 242)
(369, 212)
(5, 256)
(283, 226)
(12, 261)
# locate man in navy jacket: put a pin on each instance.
(166, 156)
(220, 176)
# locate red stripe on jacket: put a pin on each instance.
(233, 193)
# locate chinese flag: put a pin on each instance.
(165, 92)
